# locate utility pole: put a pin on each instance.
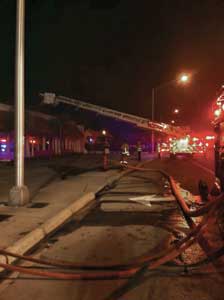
(19, 194)
(153, 116)
(183, 78)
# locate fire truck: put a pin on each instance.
(176, 146)
(180, 135)
(181, 146)
(218, 123)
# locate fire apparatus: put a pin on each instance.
(218, 123)
(187, 146)
(180, 134)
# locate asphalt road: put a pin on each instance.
(136, 217)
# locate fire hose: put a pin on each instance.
(64, 264)
(119, 274)
(191, 213)
(151, 263)
(141, 260)
(120, 271)
(188, 214)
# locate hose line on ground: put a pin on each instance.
(121, 271)
(170, 254)
(142, 260)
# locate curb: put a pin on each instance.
(35, 236)
(38, 234)
(117, 177)
(112, 180)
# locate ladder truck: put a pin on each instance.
(178, 133)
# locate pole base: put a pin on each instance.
(19, 196)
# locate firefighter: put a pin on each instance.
(139, 150)
(124, 153)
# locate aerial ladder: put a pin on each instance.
(144, 123)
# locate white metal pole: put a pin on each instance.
(19, 194)
(19, 92)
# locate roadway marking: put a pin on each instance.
(145, 200)
(203, 167)
(153, 198)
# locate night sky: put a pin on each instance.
(113, 52)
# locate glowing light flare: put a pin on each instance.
(183, 141)
(210, 137)
(194, 139)
(104, 132)
(3, 140)
(182, 144)
(217, 112)
(184, 78)
(32, 141)
(176, 111)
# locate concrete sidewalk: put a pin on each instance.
(39, 172)
(17, 222)
(35, 178)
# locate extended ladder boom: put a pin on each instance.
(50, 98)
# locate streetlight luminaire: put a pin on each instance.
(184, 78)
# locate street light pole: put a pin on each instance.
(19, 194)
(184, 78)
(153, 117)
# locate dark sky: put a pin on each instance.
(114, 52)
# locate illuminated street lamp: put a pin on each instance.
(183, 78)
(172, 122)
(176, 111)
(104, 132)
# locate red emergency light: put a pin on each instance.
(194, 139)
(33, 141)
(217, 112)
(210, 137)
